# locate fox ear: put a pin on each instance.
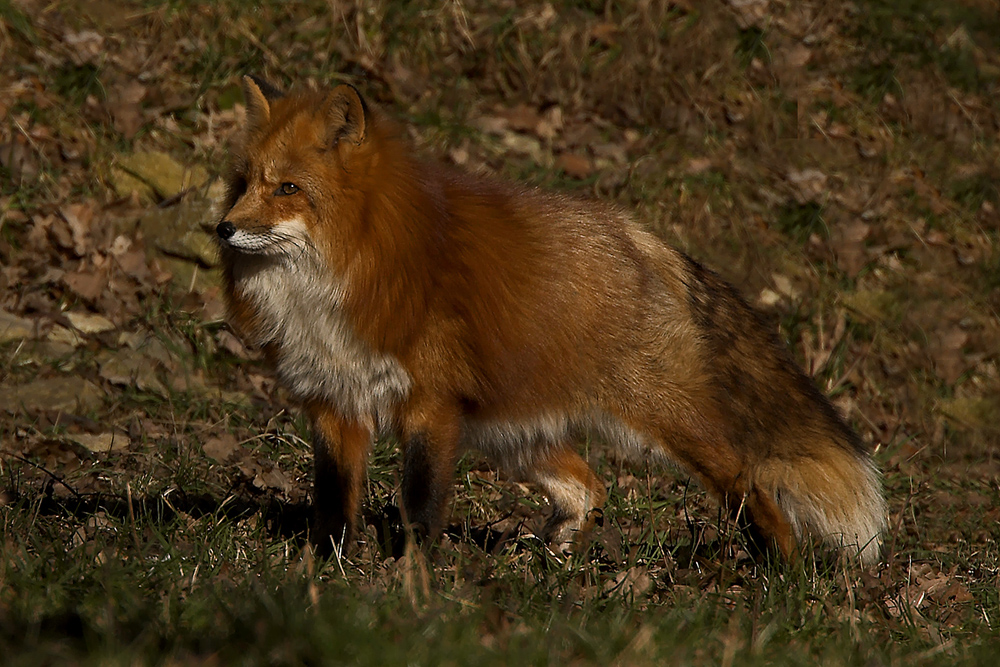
(259, 94)
(347, 114)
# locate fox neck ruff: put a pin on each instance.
(300, 322)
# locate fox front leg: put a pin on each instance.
(340, 455)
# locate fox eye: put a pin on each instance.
(287, 189)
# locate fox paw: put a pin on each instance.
(566, 535)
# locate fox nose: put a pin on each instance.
(225, 230)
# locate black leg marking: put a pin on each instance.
(333, 505)
(426, 486)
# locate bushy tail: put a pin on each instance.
(836, 496)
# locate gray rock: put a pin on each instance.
(57, 394)
(14, 328)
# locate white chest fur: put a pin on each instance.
(318, 354)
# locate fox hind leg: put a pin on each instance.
(430, 448)
(426, 486)
(576, 493)
(725, 473)
(768, 520)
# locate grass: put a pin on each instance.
(800, 221)
(162, 554)
(905, 29)
(155, 583)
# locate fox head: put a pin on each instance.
(298, 178)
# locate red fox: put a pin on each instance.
(397, 295)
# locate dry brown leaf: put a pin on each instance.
(634, 582)
(126, 108)
(232, 344)
(405, 83)
(611, 151)
(522, 118)
(58, 230)
(936, 237)
(272, 477)
(120, 301)
(79, 217)
(605, 33)
(697, 165)
(750, 13)
(809, 184)
(101, 443)
(946, 352)
(18, 157)
(550, 124)
(87, 284)
(38, 233)
(135, 265)
(797, 57)
(521, 144)
(265, 475)
(65, 337)
(930, 194)
(849, 247)
(459, 155)
(956, 593)
(89, 323)
(213, 306)
(222, 449)
(85, 46)
(495, 125)
(262, 384)
(575, 165)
